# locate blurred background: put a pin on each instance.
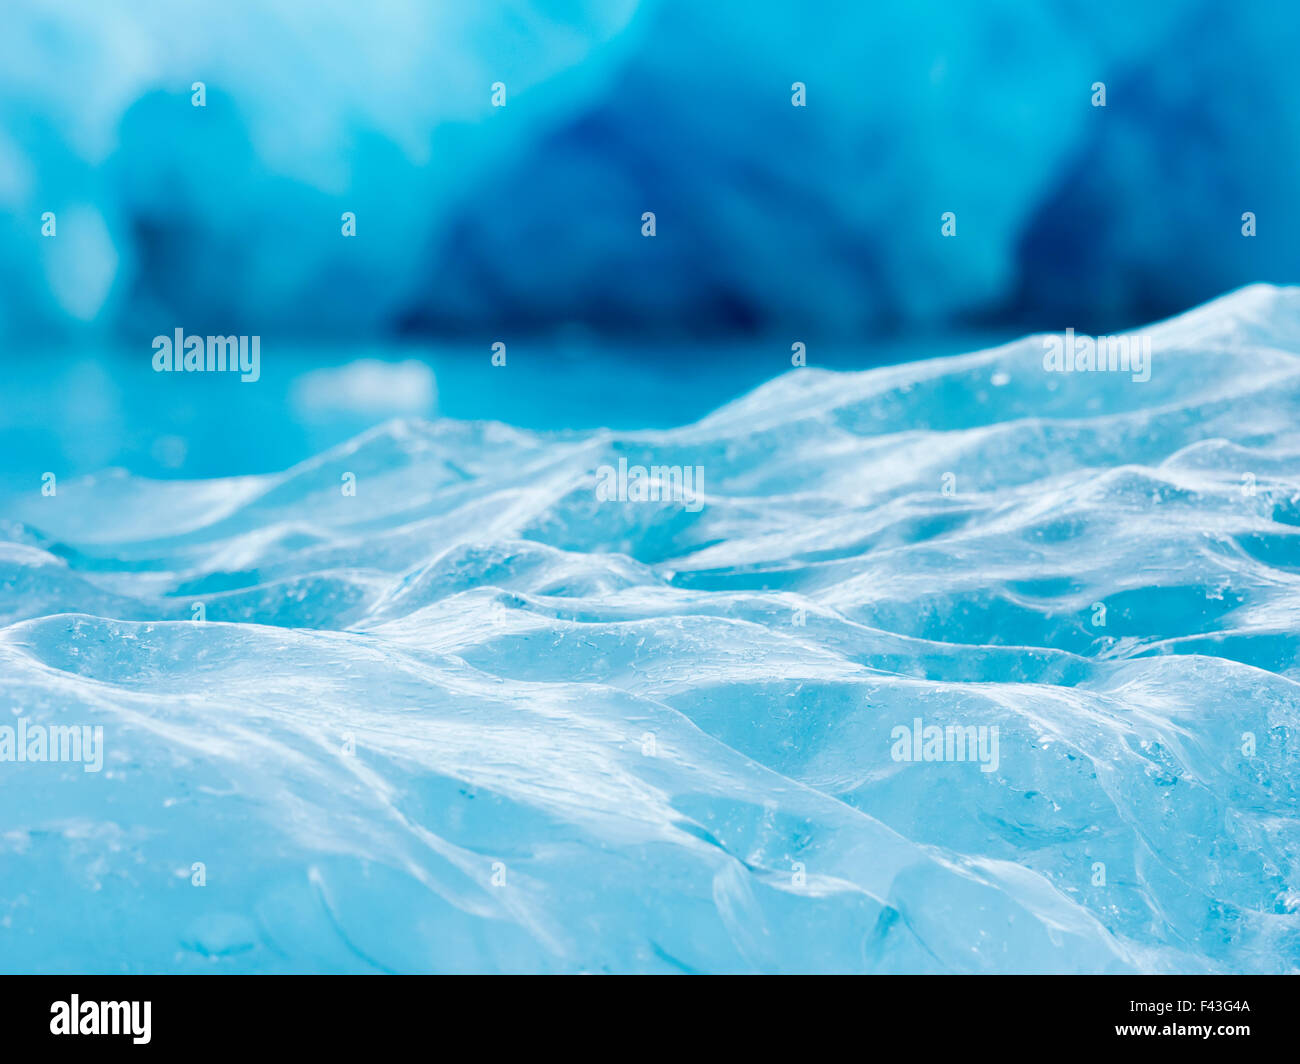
(522, 224)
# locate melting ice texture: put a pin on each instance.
(591, 736)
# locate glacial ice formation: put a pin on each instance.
(473, 719)
(769, 215)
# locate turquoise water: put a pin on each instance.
(79, 411)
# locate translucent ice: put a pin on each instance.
(470, 718)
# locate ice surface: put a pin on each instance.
(611, 706)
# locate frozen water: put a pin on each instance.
(475, 719)
(471, 217)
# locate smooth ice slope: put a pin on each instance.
(592, 736)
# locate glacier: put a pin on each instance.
(472, 719)
(771, 218)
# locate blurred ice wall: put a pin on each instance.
(471, 218)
